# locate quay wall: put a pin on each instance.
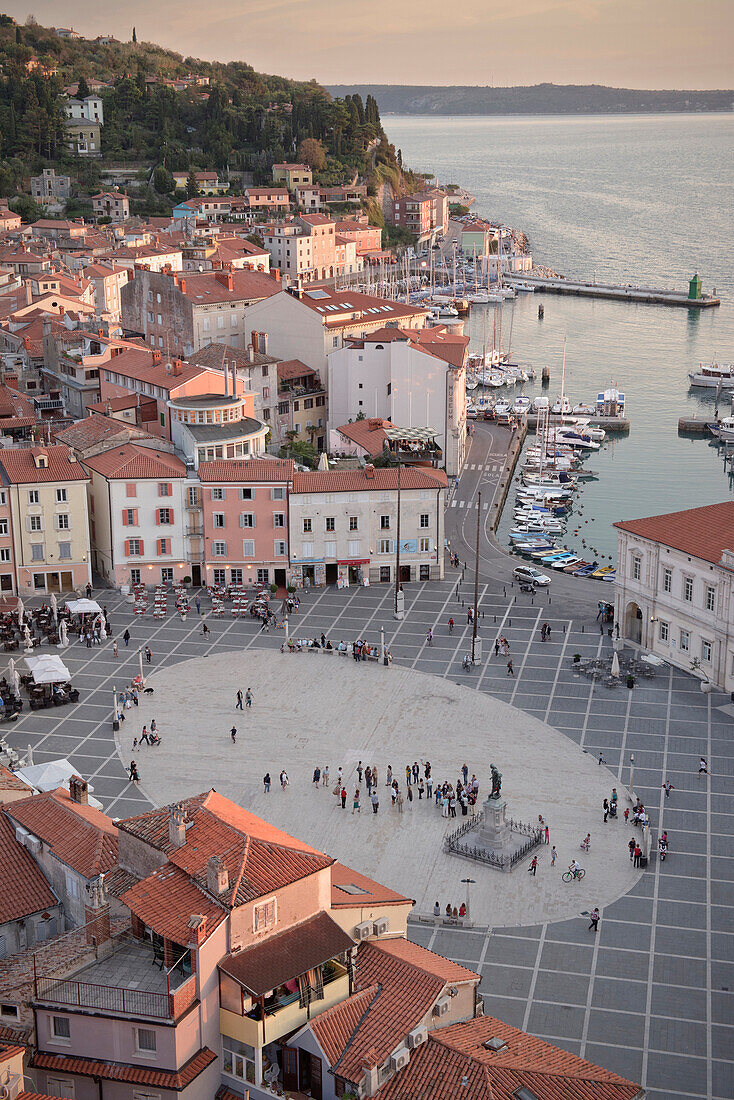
(503, 485)
(650, 295)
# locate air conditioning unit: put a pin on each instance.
(20, 832)
(363, 931)
(33, 844)
(441, 1006)
(399, 1059)
(417, 1037)
(382, 926)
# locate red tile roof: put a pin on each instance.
(79, 835)
(701, 532)
(368, 434)
(374, 893)
(168, 899)
(437, 1069)
(247, 470)
(117, 1071)
(23, 889)
(22, 470)
(411, 957)
(10, 782)
(15, 405)
(138, 363)
(252, 286)
(293, 368)
(353, 306)
(336, 1027)
(115, 404)
(96, 429)
(350, 481)
(131, 461)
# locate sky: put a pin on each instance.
(624, 43)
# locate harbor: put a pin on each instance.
(693, 298)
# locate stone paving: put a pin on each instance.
(650, 995)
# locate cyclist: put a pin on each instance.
(451, 626)
(574, 867)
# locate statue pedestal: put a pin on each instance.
(494, 833)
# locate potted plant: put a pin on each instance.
(273, 588)
(630, 680)
(706, 686)
(576, 658)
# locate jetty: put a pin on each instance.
(691, 425)
(693, 298)
(608, 423)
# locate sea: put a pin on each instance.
(645, 199)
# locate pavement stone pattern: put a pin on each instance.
(650, 996)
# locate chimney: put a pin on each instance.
(177, 826)
(277, 274)
(255, 340)
(217, 876)
(177, 366)
(263, 343)
(250, 353)
(97, 913)
(182, 285)
(369, 471)
(156, 357)
(234, 379)
(78, 787)
(226, 378)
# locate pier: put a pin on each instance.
(651, 295)
(691, 425)
(609, 423)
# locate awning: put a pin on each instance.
(48, 669)
(355, 561)
(408, 435)
(285, 956)
(83, 607)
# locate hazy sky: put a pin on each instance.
(629, 43)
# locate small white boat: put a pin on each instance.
(524, 288)
(540, 403)
(562, 406)
(583, 426)
(484, 297)
(502, 408)
(521, 405)
(583, 410)
(573, 439)
(471, 384)
(723, 429)
(712, 375)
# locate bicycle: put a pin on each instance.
(569, 876)
(451, 626)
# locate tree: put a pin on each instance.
(163, 181)
(312, 152)
(83, 89)
(135, 37)
(18, 36)
(192, 187)
(26, 207)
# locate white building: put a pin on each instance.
(674, 591)
(88, 109)
(343, 526)
(413, 378)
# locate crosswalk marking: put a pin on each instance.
(462, 503)
(453, 503)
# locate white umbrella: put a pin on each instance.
(83, 607)
(48, 669)
(615, 665)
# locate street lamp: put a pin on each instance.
(399, 609)
(140, 663)
(115, 718)
(632, 774)
(469, 882)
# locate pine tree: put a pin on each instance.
(83, 89)
(135, 37)
(18, 36)
(192, 187)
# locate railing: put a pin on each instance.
(453, 843)
(128, 1002)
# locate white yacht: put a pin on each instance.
(712, 375)
(561, 406)
(723, 429)
(524, 288)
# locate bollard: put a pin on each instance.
(495, 618)
(509, 622)
(482, 614)
(582, 628)
(532, 601)
(462, 603)
(564, 628)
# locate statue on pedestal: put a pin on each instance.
(496, 782)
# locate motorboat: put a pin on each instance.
(610, 576)
(723, 429)
(604, 571)
(540, 403)
(471, 384)
(524, 288)
(583, 410)
(573, 438)
(582, 425)
(549, 479)
(610, 402)
(561, 565)
(484, 297)
(561, 406)
(521, 406)
(713, 375)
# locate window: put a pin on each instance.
(384, 523)
(277, 494)
(385, 574)
(61, 496)
(65, 550)
(62, 521)
(60, 1027)
(247, 519)
(235, 576)
(164, 489)
(663, 631)
(219, 549)
(35, 523)
(37, 554)
(248, 548)
(135, 576)
(264, 915)
(306, 549)
(247, 494)
(385, 546)
(220, 576)
(308, 403)
(389, 388)
(146, 1096)
(238, 1059)
(164, 515)
(57, 1086)
(280, 548)
(706, 651)
(164, 547)
(354, 523)
(283, 408)
(667, 580)
(72, 886)
(710, 598)
(218, 493)
(685, 641)
(306, 525)
(129, 515)
(335, 342)
(424, 573)
(424, 545)
(329, 549)
(34, 496)
(145, 1040)
(354, 546)
(636, 569)
(9, 1012)
(3, 498)
(329, 523)
(5, 554)
(278, 519)
(131, 489)
(688, 589)
(424, 519)
(263, 576)
(218, 518)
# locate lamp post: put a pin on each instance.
(115, 718)
(468, 882)
(140, 665)
(382, 646)
(399, 609)
(285, 628)
(632, 773)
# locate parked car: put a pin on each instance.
(534, 576)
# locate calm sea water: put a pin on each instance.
(641, 199)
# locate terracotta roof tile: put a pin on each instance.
(415, 957)
(166, 901)
(117, 1071)
(293, 368)
(131, 461)
(701, 532)
(10, 782)
(140, 364)
(436, 1070)
(335, 1028)
(374, 892)
(96, 429)
(368, 434)
(21, 468)
(23, 889)
(79, 835)
(252, 286)
(350, 481)
(247, 470)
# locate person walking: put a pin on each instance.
(421, 789)
(388, 776)
(144, 736)
(343, 797)
(197, 601)
(360, 772)
(148, 654)
(533, 865)
(465, 773)
(115, 651)
(510, 669)
(626, 815)
(248, 698)
(416, 772)
(325, 776)
(496, 647)
(316, 776)
(374, 799)
(605, 808)
(126, 638)
(284, 780)
(594, 918)
(554, 856)
(355, 803)
(703, 766)
(133, 770)
(266, 783)
(637, 854)
(238, 704)
(601, 759)
(233, 734)
(631, 847)
(547, 833)
(668, 787)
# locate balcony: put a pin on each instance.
(48, 404)
(129, 982)
(284, 1011)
